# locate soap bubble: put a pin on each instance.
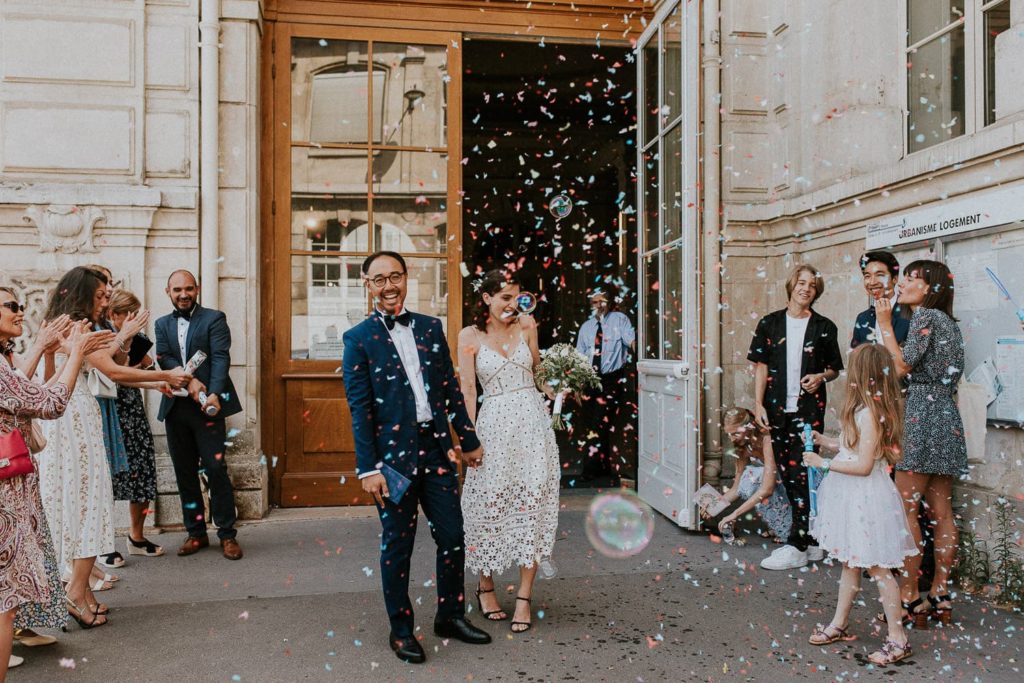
(619, 525)
(560, 206)
(526, 302)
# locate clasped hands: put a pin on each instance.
(377, 486)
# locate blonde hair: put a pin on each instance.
(819, 282)
(123, 301)
(737, 417)
(872, 383)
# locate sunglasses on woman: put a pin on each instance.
(14, 307)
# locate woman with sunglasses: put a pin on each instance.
(74, 473)
(30, 589)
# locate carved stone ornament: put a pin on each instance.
(33, 289)
(64, 228)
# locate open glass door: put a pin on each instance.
(668, 370)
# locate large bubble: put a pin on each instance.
(560, 206)
(619, 524)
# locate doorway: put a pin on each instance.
(540, 120)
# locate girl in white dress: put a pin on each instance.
(509, 502)
(860, 519)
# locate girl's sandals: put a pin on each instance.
(890, 653)
(524, 625)
(79, 614)
(830, 634)
(490, 616)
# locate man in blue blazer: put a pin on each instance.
(403, 394)
(196, 438)
(880, 270)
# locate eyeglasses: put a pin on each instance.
(14, 307)
(381, 280)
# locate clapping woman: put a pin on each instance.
(74, 474)
(29, 579)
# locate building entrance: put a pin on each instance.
(543, 120)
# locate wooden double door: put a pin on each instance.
(361, 154)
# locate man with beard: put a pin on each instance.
(195, 431)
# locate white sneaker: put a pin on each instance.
(14, 661)
(815, 553)
(786, 557)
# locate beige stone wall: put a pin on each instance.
(99, 155)
(812, 153)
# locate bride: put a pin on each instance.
(509, 502)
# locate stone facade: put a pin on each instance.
(813, 152)
(100, 135)
(99, 113)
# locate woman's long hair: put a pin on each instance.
(871, 382)
(75, 294)
(492, 282)
(940, 284)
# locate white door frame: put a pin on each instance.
(670, 387)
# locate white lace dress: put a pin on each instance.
(510, 502)
(74, 480)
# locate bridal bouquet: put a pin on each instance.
(565, 370)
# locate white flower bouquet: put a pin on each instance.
(565, 370)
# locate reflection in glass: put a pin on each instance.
(672, 314)
(328, 298)
(318, 171)
(328, 223)
(649, 101)
(936, 91)
(428, 287)
(410, 195)
(413, 110)
(330, 87)
(925, 17)
(672, 61)
(652, 301)
(997, 20)
(649, 182)
(672, 197)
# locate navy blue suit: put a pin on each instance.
(864, 327)
(196, 440)
(386, 431)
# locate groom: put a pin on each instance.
(402, 393)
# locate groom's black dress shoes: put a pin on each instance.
(408, 649)
(460, 629)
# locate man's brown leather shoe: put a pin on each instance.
(193, 544)
(231, 549)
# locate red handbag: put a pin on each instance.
(14, 456)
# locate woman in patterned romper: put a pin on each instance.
(934, 448)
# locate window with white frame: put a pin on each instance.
(950, 57)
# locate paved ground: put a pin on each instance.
(305, 605)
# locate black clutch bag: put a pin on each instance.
(140, 347)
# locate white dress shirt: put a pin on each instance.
(182, 337)
(405, 344)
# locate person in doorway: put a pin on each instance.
(795, 352)
(510, 502)
(609, 340)
(403, 394)
(196, 430)
(934, 446)
(880, 271)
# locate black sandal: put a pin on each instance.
(910, 613)
(145, 547)
(527, 624)
(489, 616)
(943, 615)
(77, 613)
